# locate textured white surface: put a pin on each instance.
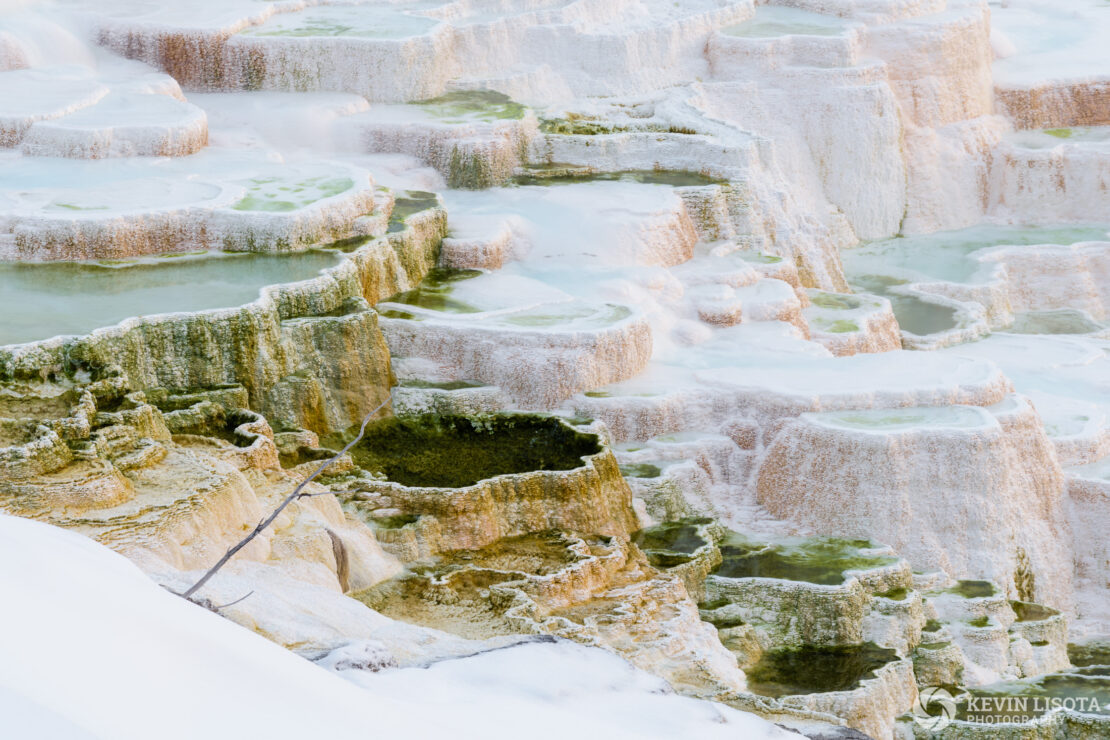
(104, 652)
(872, 120)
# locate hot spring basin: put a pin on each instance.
(458, 451)
(487, 477)
(816, 670)
(42, 300)
(820, 560)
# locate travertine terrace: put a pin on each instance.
(740, 368)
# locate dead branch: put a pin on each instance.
(232, 603)
(296, 494)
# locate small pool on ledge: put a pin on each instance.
(946, 255)
(672, 543)
(772, 21)
(1049, 138)
(456, 451)
(43, 300)
(898, 420)
(820, 560)
(498, 300)
(359, 21)
(672, 178)
(816, 670)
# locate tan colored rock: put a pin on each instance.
(1057, 105)
(592, 498)
(599, 591)
(309, 354)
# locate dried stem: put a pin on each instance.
(296, 494)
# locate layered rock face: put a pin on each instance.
(168, 489)
(209, 204)
(965, 523)
(309, 354)
(591, 496)
(1046, 86)
(407, 56)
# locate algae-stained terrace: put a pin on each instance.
(716, 368)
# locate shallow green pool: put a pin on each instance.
(813, 670)
(43, 300)
(457, 451)
(671, 543)
(915, 315)
(674, 178)
(820, 560)
(771, 21)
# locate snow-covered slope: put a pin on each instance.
(94, 649)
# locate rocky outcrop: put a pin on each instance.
(944, 515)
(595, 590)
(173, 490)
(249, 209)
(474, 139)
(309, 354)
(590, 497)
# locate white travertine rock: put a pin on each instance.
(1054, 175)
(948, 173)
(121, 125)
(1088, 496)
(1046, 277)
(847, 324)
(670, 192)
(536, 343)
(406, 55)
(31, 95)
(200, 202)
(469, 146)
(957, 86)
(1062, 375)
(959, 522)
(671, 399)
(1052, 70)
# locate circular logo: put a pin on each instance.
(934, 709)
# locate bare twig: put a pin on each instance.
(332, 493)
(296, 494)
(233, 603)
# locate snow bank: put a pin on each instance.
(98, 650)
(104, 652)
